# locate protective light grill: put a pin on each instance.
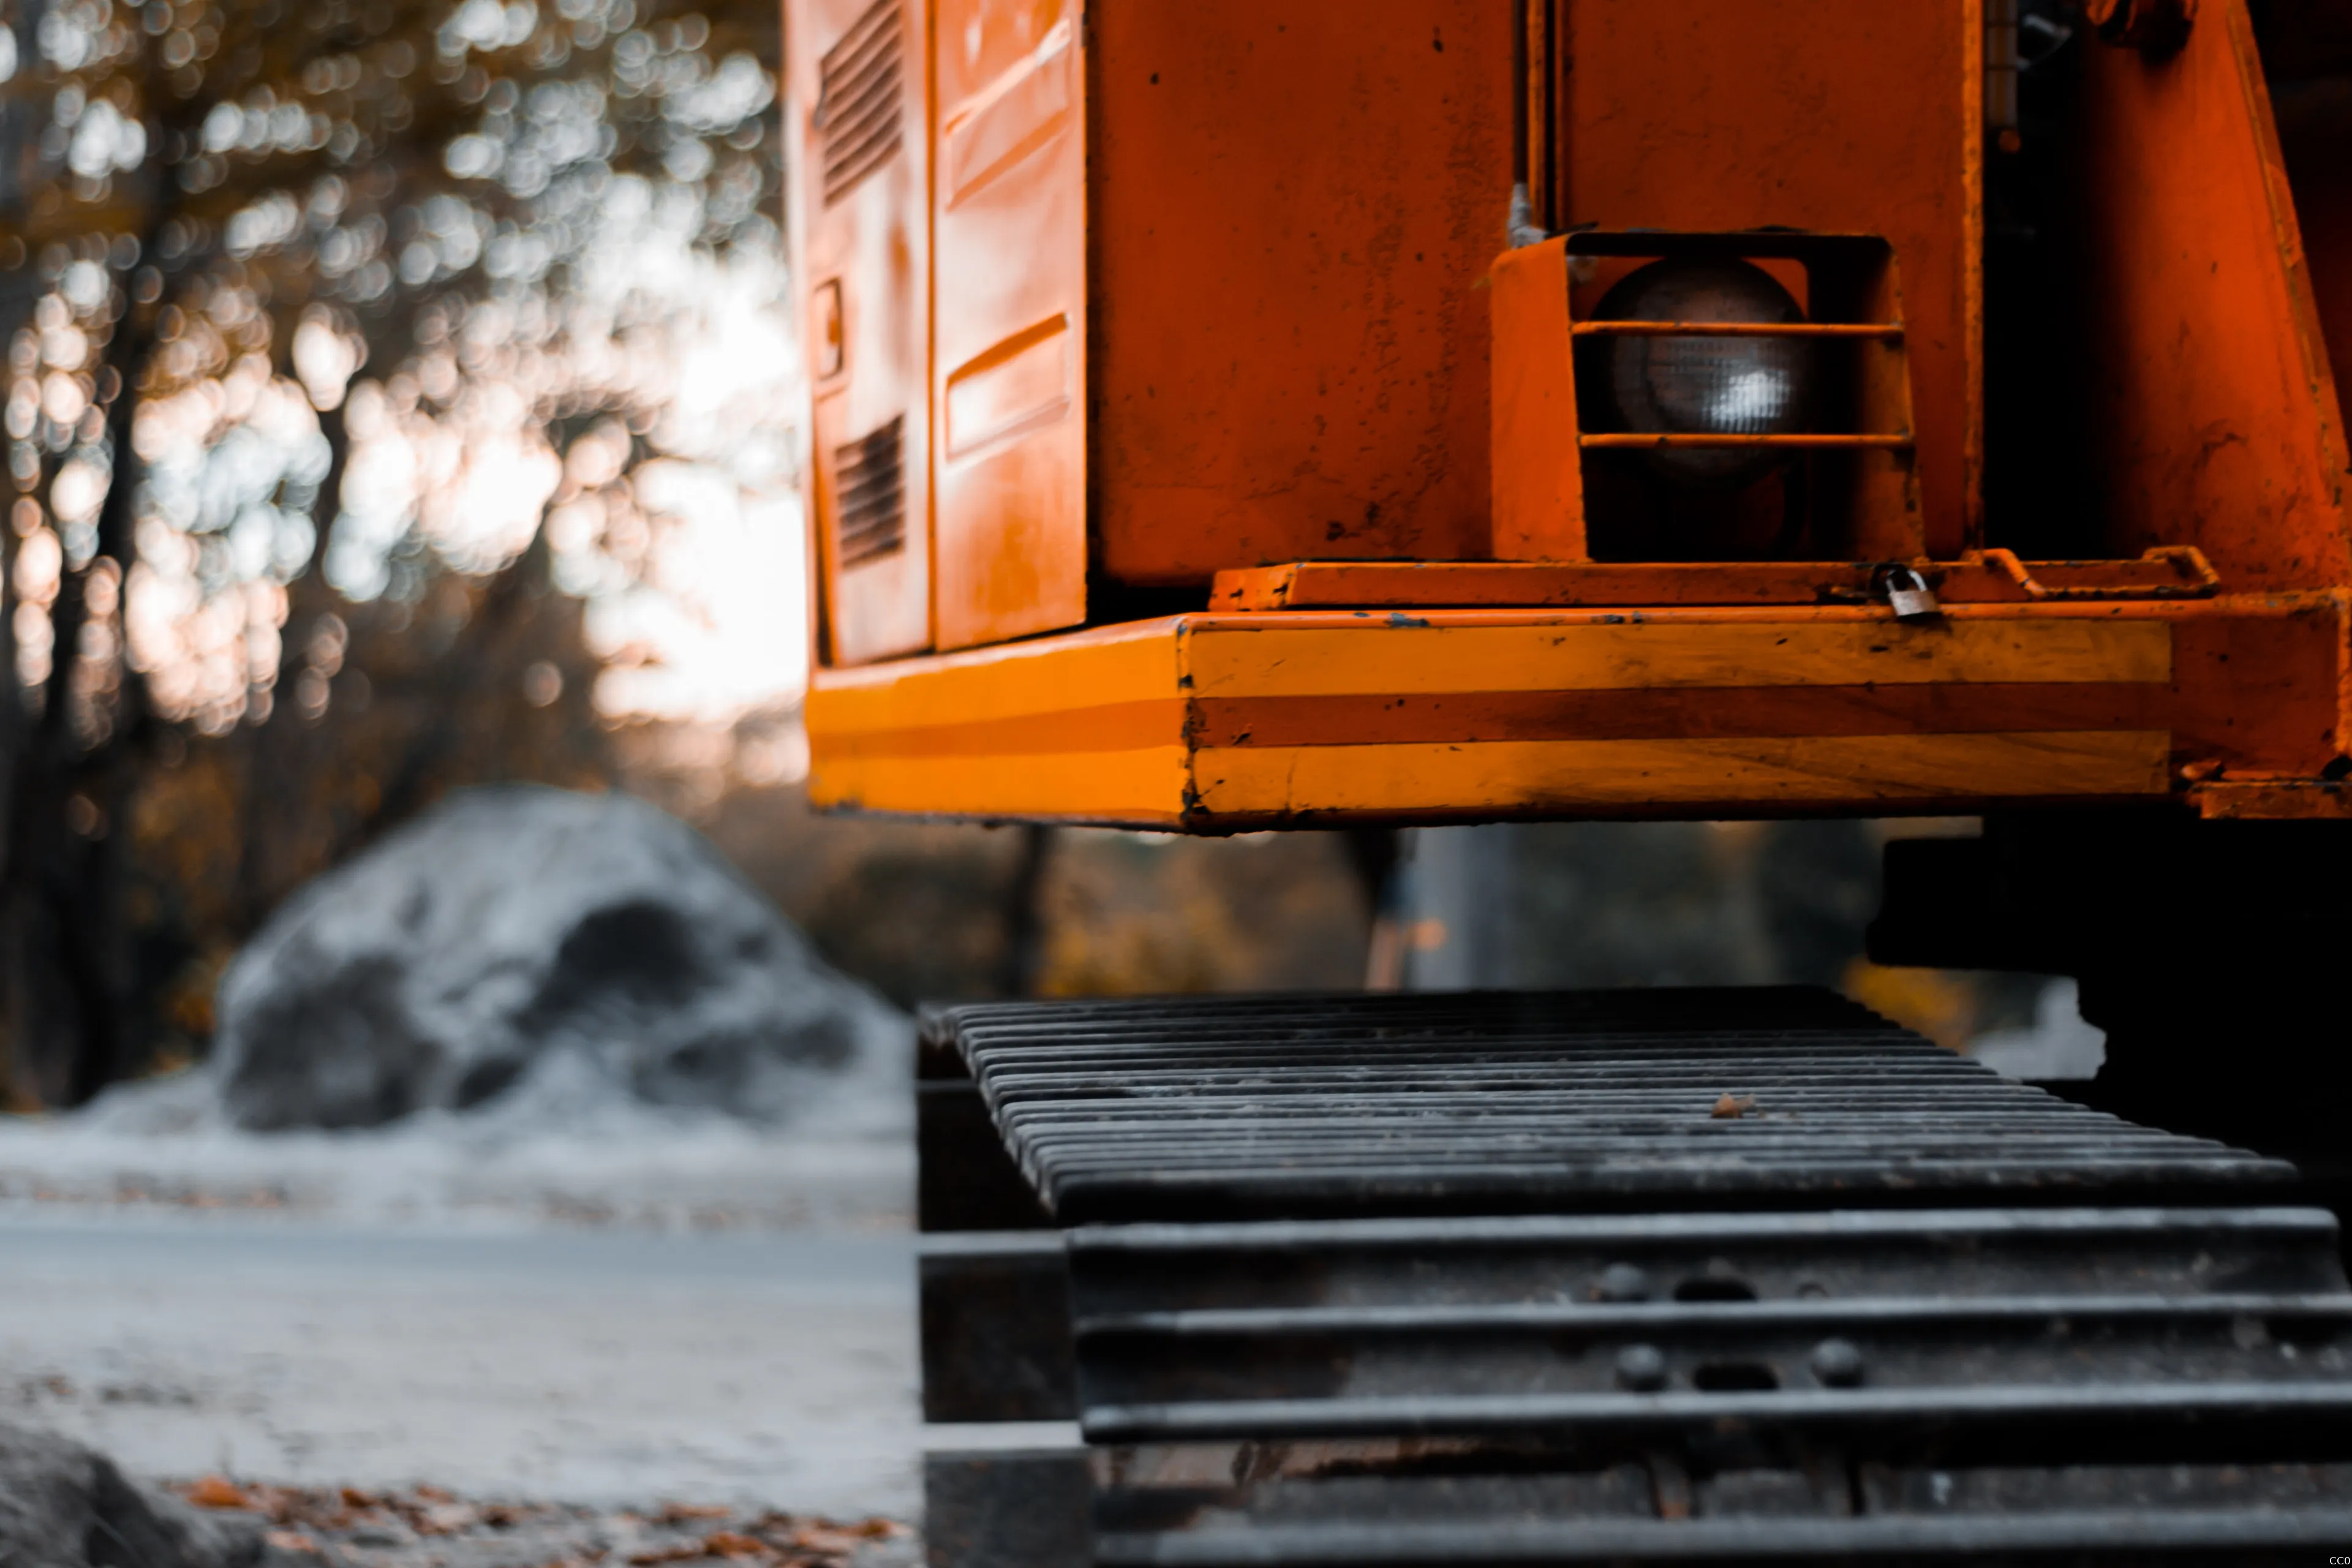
(1697, 383)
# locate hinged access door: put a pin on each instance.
(860, 85)
(1009, 356)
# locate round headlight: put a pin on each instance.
(1702, 385)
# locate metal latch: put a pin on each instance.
(1905, 592)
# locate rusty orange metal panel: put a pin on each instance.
(1538, 481)
(2316, 131)
(1991, 576)
(1294, 209)
(2261, 693)
(2214, 412)
(1312, 654)
(1009, 342)
(857, 90)
(1836, 116)
(2299, 800)
(2307, 56)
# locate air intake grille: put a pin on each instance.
(870, 517)
(860, 100)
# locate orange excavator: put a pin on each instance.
(1300, 414)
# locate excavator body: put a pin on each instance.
(1303, 413)
(1190, 451)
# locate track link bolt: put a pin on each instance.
(1838, 1364)
(1623, 1283)
(1640, 1369)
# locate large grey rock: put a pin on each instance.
(513, 924)
(64, 1506)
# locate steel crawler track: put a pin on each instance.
(1720, 1277)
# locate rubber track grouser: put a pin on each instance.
(1692, 1276)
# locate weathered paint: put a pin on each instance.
(2213, 418)
(1991, 576)
(1011, 332)
(864, 265)
(1228, 721)
(1217, 307)
(1598, 777)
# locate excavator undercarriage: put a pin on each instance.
(1691, 1276)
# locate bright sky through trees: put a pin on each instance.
(399, 393)
(527, 254)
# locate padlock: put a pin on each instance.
(1908, 595)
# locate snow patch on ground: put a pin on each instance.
(606, 1367)
(663, 1252)
(566, 1294)
(566, 1146)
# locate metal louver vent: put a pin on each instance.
(860, 100)
(870, 479)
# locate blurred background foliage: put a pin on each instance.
(401, 396)
(398, 396)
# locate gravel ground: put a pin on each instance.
(604, 1367)
(427, 1527)
(567, 1329)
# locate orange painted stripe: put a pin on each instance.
(1573, 777)
(1671, 713)
(1397, 654)
(1485, 717)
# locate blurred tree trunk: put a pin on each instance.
(1373, 855)
(19, 287)
(62, 907)
(1024, 922)
(74, 768)
(66, 959)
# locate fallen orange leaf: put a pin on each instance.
(727, 1543)
(217, 1492)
